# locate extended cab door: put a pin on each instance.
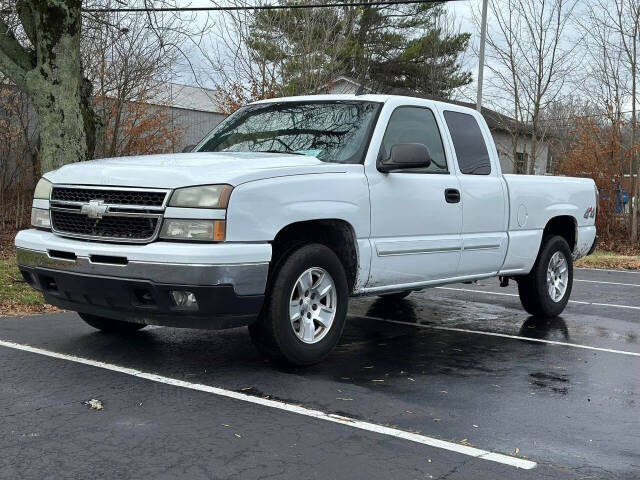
(484, 196)
(416, 214)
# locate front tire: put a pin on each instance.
(305, 309)
(545, 291)
(110, 326)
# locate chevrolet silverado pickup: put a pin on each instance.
(289, 207)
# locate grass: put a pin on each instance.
(16, 296)
(605, 259)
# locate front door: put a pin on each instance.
(415, 219)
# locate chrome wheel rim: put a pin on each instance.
(312, 306)
(557, 276)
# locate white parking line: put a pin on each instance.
(288, 407)
(501, 335)
(613, 305)
(636, 272)
(607, 283)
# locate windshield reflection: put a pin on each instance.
(336, 131)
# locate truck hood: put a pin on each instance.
(186, 169)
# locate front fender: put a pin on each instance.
(258, 210)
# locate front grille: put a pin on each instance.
(110, 197)
(109, 227)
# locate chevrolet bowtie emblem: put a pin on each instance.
(94, 209)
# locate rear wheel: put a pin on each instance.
(306, 307)
(394, 297)
(545, 291)
(110, 326)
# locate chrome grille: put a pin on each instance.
(107, 213)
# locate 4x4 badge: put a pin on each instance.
(590, 213)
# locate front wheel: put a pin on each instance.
(545, 291)
(306, 307)
(110, 326)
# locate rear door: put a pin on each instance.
(415, 231)
(484, 199)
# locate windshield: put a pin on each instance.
(335, 131)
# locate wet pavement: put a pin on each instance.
(463, 364)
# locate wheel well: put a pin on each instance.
(565, 226)
(338, 235)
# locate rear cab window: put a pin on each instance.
(469, 143)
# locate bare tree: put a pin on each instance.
(530, 62)
(41, 52)
(619, 20)
(127, 63)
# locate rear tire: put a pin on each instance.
(110, 326)
(395, 297)
(545, 291)
(291, 324)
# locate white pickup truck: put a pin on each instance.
(290, 206)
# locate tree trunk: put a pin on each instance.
(51, 74)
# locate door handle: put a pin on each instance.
(452, 195)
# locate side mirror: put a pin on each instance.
(188, 148)
(406, 155)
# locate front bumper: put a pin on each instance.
(134, 282)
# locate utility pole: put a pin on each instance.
(483, 40)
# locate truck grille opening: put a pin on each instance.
(109, 227)
(112, 214)
(111, 197)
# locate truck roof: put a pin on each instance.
(350, 96)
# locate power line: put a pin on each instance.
(263, 7)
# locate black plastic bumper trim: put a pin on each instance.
(144, 301)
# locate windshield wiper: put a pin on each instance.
(291, 152)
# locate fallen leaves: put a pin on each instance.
(94, 404)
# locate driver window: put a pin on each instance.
(415, 125)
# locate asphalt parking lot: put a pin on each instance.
(455, 382)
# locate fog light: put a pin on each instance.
(184, 299)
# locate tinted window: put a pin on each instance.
(330, 131)
(416, 125)
(471, 149)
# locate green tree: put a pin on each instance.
(395, 46)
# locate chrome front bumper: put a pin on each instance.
(247, 279)
(242, 265)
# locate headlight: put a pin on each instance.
(40, 218)
(43, 189)
(200, 230)
(207, 196)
